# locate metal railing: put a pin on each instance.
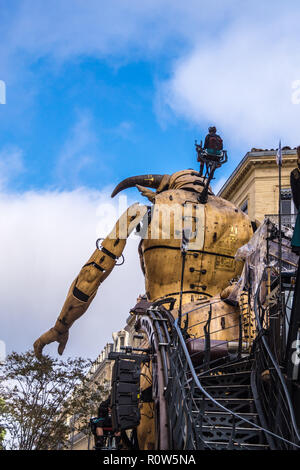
(270, 376)
(185, 411)
(288, 220)
(273, 322)
(205, 333)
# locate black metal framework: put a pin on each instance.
(211, 163)
(214, 410)
(214, 405)
(271, 347)
(287, 219)
(125, 387)
(234, 394)
(218, 408)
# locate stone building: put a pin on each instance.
(254, 184)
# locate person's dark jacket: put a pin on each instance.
(103, 408)
(295, 185)
(207, 139)
(104, 417)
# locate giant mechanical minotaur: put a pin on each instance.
(182, 205)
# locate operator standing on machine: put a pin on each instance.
(213, 143)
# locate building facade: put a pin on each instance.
(254, 185)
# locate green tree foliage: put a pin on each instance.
(2, 430)
(41, 399)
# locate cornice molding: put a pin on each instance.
(251, 160)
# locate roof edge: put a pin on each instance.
(264, 153)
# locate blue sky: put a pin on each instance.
(98, 91)
(89, 121)
(132, 85)
(109, 113)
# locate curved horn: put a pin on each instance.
(149, 181)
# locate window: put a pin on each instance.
(286, 202)
(244, 207)
(287, 207)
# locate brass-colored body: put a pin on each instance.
(210, 265)
(220, 229)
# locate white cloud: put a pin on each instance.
(44, 241)
(241, 80)
(117, 30)
(76, 27)
(229, 63)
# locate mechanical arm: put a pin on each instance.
(92, 274)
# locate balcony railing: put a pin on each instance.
(288, 220)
